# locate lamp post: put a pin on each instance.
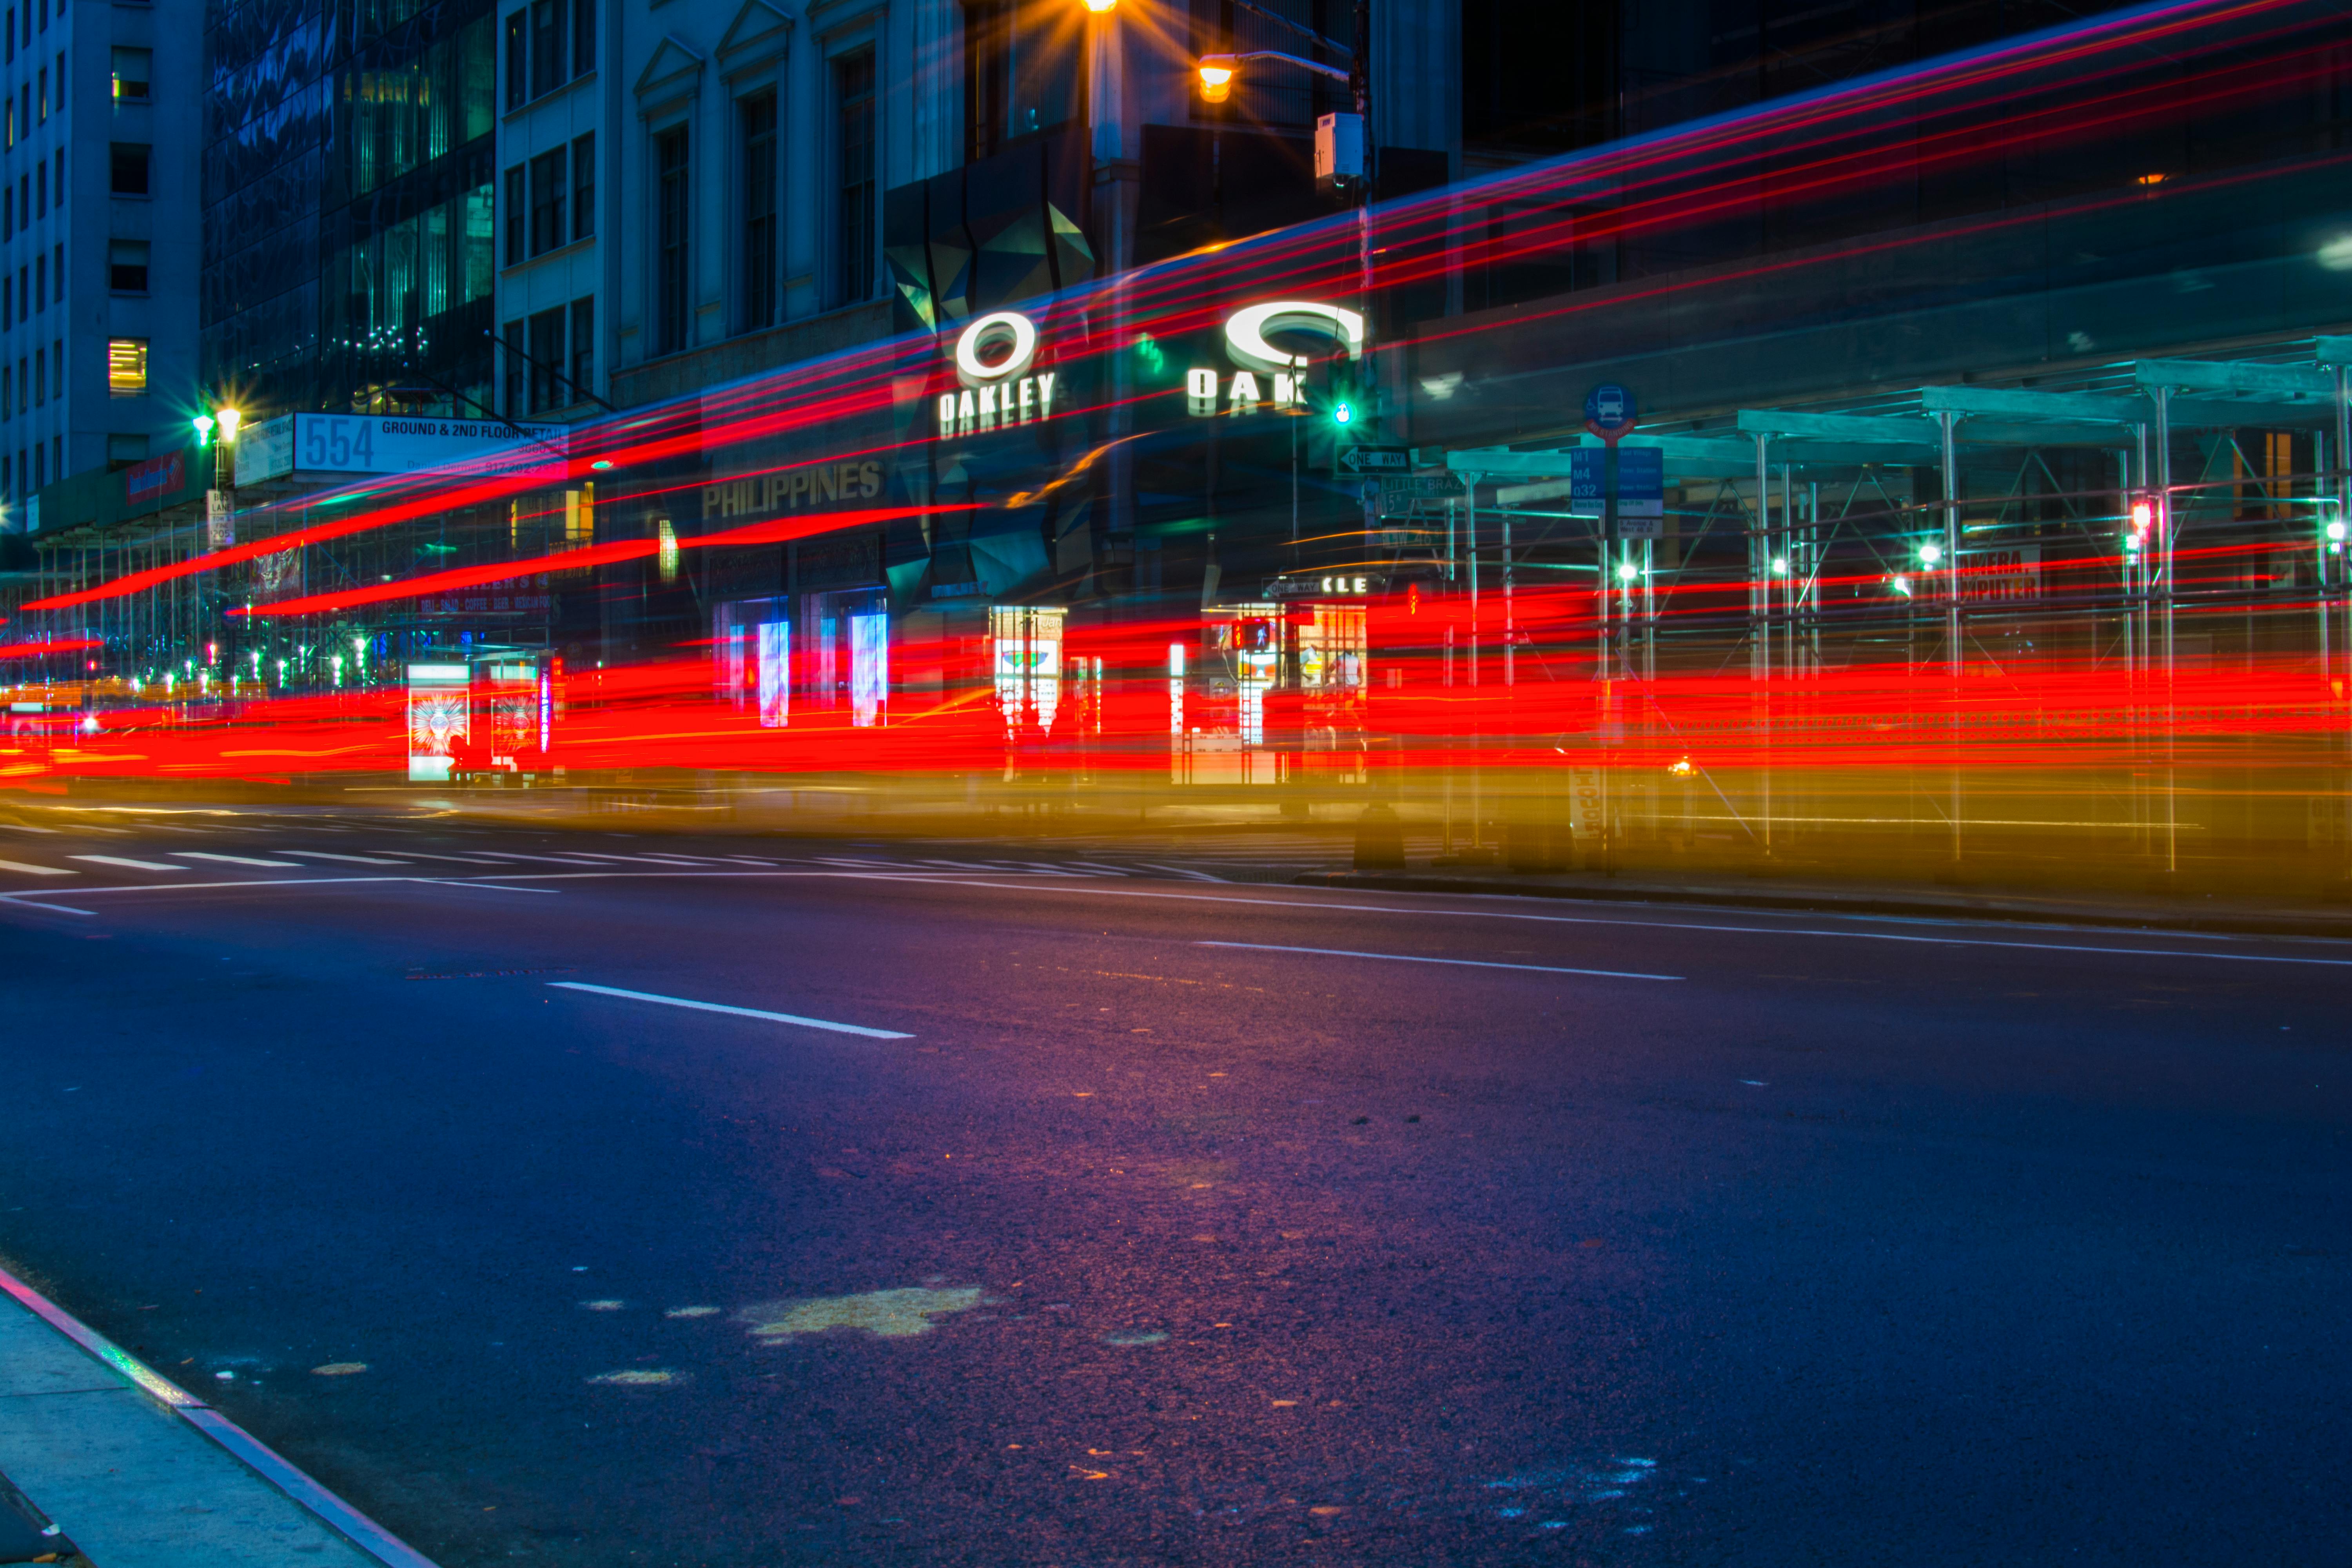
(1118, 188)
(1219, 72)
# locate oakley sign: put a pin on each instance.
(995, 353)
(992, 357)
(1248, 344)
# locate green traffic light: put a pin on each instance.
(1341, 414)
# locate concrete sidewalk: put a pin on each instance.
(136, 1472)
(2122, 911)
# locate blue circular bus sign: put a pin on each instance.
(1609, 410)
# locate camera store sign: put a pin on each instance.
(1270, 376)
(995, 355)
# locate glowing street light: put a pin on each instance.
(1780, 566)
(204, 424)
(1627, 571)
(1102, 8)
(229, 419)
(1216, 81)
(1931, 553)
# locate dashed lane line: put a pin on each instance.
(691, 1006)
(1460, 962)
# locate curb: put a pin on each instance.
(331, 1510)
(1832, 902)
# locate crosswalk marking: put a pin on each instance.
(235, 859)
(124, 861)
(356, 859)
(36, 870)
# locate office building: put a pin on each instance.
(98, 240)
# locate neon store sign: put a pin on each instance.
(1270, 376)
(997, 392)
(995, 354)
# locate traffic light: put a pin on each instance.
(1342, 399)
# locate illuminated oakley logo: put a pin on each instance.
(1245, 332)
(1004, 328)
(1206, 393)
(996, 392)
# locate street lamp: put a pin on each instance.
(1216, 79)
(1101, 7)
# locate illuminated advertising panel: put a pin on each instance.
(440, 718)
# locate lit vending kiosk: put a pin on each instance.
(1225, 739)
(1278, 690)
(1329, 659)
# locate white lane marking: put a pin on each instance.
(236, 859)
(738, 1012)
(1462, 962)
(133, 865)
(356, 859)
(467, 859)
(1070, 886)
(457, 882)
(1179, 872)
(36, 870)
(1655, 925)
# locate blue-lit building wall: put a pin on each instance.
(348, 226)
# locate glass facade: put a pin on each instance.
(348, 226)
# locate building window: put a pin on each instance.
(547, 193)
(583, 351)
(57, 370)
(518, 62)
(7, 212)
(61, 176)
(127, 169)
(758, 124)
(126, 266)
(40, 467)
(853, 97)
(40, 377)
(7, 392)
(126, 367)
(58, 270)
(669, 237)
(122, 451)
(514, 369)
(584, 186)
(134, 71)
(546, 45)
(41, 188)
(1021, 72)
(40, 284)
(583, 36)
(24, 293)
(12, 33)
(546, 350)
(517, 210)
(42, 76)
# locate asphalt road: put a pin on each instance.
(1154, 1219)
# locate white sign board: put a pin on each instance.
(397, 444)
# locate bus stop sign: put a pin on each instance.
(1608, 411)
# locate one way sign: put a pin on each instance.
(1375, 460)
